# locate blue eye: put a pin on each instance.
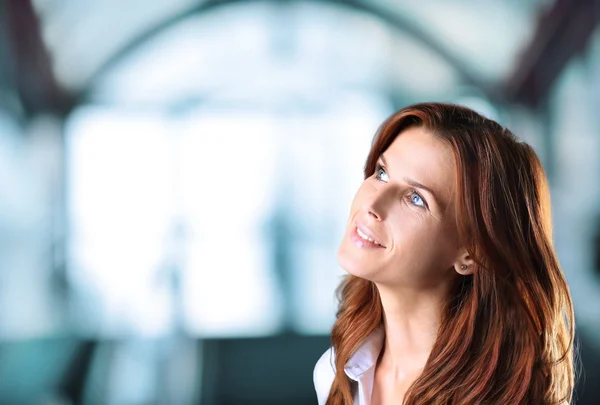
(380, 172)
(416, 199)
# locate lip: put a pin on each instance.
(362, 242)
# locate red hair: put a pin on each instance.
(507, 330)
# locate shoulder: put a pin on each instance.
(324, 374)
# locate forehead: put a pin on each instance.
(420, 155)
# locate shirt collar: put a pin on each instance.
(366, 355)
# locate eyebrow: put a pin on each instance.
(414, 183)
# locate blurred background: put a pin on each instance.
(175, 177)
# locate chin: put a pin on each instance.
(352, 265)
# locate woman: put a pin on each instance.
(454, 293)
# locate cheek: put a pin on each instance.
(411, 230)
(449, 232)
(441, 246)
(361, 195)
(420, 239)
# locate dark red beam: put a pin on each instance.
(563, 31)
(30, 62)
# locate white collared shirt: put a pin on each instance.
(360, 368)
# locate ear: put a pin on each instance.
(465, 264)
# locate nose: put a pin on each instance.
(377, 207)
(380, 203)
(373, 214)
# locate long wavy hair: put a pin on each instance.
(507, 330)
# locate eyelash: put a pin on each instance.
(379, 168)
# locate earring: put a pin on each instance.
(463, 267)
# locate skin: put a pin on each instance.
(421, 258)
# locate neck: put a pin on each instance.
(411, 320)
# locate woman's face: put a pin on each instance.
(407, 207)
